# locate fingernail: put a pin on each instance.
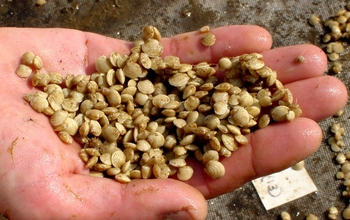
(180, 215)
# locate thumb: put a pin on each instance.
(152, 199)
(164, 199)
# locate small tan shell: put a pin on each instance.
(111, 77)
(220, 108)
(225, 63)
(233, 129)
(113, 171)
(204, 70)
(185, 173)
(135, 174)
(241, 139)
(229, 142)
(173, 104)
(179, 150)
(264, 120)
(65, 137)
(255, 64)
(143, 145)
(101, 167)
(56, 78)
(191, 103)
(83, 155)
(132, 70)
(298, 166)
(224, 87)
(106, 158)
(281, 113)
(28, 58)
(93, 151)
(156, 140)
(40, 79)
(122, 178)
(69, 125)
(211, 121)
(94, 114)
(188, 139)
(160, 100)
(214, 169)
(118, 159)
(110, 133)
(95, 128)
(172, 62)
(145, 86)
(192, 116)
(246, 100)
(215, 143)
(76, 96)
(58, 117)
(103, 64)
(38, 63)
(55, 99)
(146, 172)
(201, 131)
(114, 98)
(241, 116)
(91, 162)
(23, 71)
(314, 20)
(208, 39)
(188, 91)
(204, 29)
(39, 103)
(210, 155)
(148, 32)
(152, 48)
(70, 105)
(179, 80)
(161, 171)
(145, 61)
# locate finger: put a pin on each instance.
(230, 41)
(269, 150)
(319, 97)
(312, 62)
(139, 199)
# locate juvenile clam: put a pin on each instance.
(208, 39)
(185, 173)
(69, 125)
(214, 169)
(118, 159)
(152, 48)
(23, 71)
(145, 86)
(28, 58)
(103, 64)
(282, 113)
(179, 79)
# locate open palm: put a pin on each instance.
(43, 178)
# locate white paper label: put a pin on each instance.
(282, 187)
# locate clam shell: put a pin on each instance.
(214, 169)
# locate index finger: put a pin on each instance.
(77, 51)
(230, 41)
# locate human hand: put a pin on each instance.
(43, 178)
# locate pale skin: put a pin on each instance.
(43, 178)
